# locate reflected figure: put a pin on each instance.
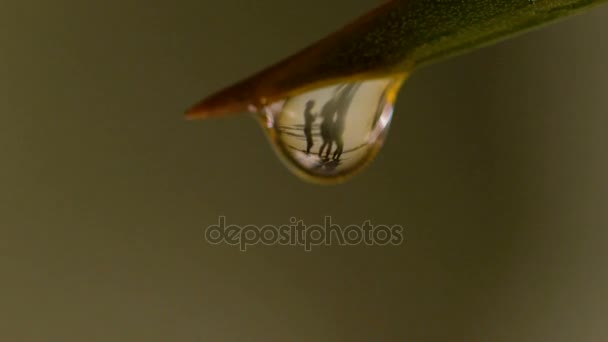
(334, 116)
(309, 119)
(346, 97)
(327, 115)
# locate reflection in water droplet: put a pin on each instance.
(328, 134)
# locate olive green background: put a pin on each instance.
(496, 166)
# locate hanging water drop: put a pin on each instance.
(328, 134)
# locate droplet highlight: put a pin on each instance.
(329, 134)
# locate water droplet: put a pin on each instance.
(328, 134)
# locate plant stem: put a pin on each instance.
(394, 38)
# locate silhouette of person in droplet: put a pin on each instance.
(327, 113)
(343, 104)
(309, 119)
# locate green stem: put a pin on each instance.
(394, 38)
(406, 33)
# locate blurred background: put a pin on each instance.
(496, 166)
